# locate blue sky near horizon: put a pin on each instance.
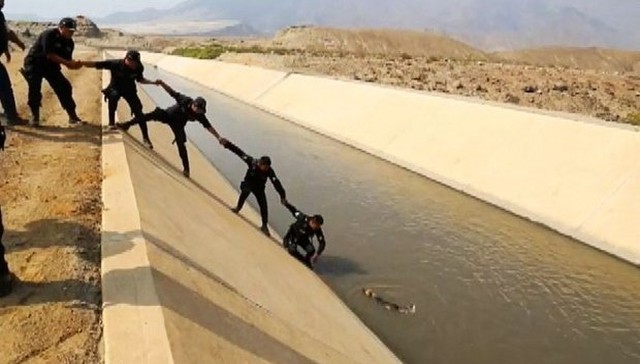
(92, 8)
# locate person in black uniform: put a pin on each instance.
(5, 274)
(7, 99)
(255, 181)
(52, 48)
(176, 117)
(301, 233)
(124, 75)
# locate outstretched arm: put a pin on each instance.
(145, 81)
(207, 125)
(169, 90)
(101, 65)
(278, 186)
(294, 211)
(69, 63)
(239, 152)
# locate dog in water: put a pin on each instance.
(411, 309)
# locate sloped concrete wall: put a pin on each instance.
(187, 281)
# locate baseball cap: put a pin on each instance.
(68, 23)
(265, 160)
(319, 219)
(200, 105)
(133, 55)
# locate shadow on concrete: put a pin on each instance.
(186, 260)
(331, 265)
(216, 319)
(86, 133)
(162, 164)
(191, 305)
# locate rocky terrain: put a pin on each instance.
(600, 83)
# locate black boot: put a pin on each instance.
(35, 118)
(74, 119)
(265, 230)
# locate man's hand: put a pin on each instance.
(74, 65)
(284, 201)
(314, 259)
(8, 55)
(223, 141)
(158, 82)
(3, 137)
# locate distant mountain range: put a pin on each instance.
(488, 24)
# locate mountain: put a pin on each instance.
(489, 24)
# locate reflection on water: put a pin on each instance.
(489, 287)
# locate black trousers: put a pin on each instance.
(293, 246)
(60, 85)
(261, 197)
(179, 133)
(7, 98)
(113, 98)
(4, 267)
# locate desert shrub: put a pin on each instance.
(209, 52)
(633, 118)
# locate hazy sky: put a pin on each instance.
(95, 8)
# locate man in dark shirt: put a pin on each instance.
(255, 181)
(124, 75)
(176, 117)
(7, 98)
(52, 48)
(301, 233)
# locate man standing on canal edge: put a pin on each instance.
(52, 48)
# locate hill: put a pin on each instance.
(374, 42)
(609, 60)
(488, 24)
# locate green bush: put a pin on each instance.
(633, 118)
(211, 52)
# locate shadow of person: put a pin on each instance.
(77, 293)
(331, 265)
(46, 233)
(85, 133)
(197, 309)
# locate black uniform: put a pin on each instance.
(300, 234)
(255, 181)
(123, 85)
(176, 117)
(7, 98)
(37, 67)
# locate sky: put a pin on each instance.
(91, 8)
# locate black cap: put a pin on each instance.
(133, 55)
(68, 23)
(265, 160)
(200, 105)
(318, 218)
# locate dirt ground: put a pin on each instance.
(50, 195)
